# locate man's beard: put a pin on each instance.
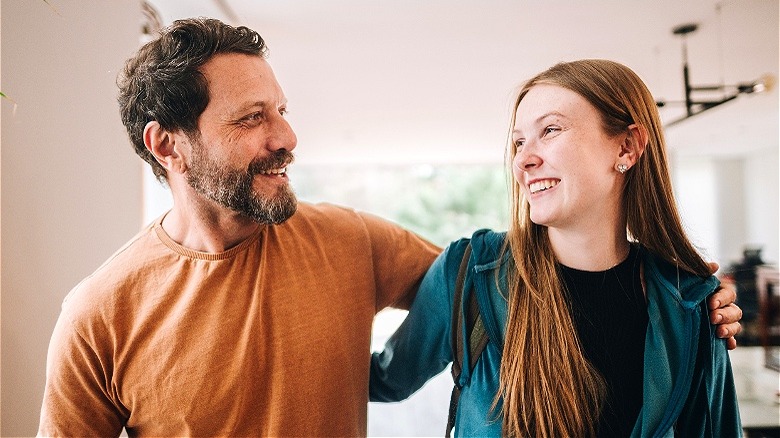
(233, 188)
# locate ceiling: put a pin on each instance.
(408, 81)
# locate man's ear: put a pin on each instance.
(166, 147)
(634, 144)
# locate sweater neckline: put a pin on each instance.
(202, 255)
(596, 277)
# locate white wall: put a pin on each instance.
(730, 202)
(728, 186)
(762, 196)
(693, 186)
(71, 190)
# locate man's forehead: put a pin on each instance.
(241, 81)
(229, 69)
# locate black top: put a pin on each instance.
(610, 314)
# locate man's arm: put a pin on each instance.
(724, 312)
(400, 258)
(76, 400)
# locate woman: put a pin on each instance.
(594, 301)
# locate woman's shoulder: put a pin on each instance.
(485, 246)
(489, 237)
(488, 246)
(676, 282)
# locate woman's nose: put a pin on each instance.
(527, 158)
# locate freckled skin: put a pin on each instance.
(560, 138)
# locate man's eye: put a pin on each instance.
(252, 119)
(283, 111)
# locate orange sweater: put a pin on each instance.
(269, 338)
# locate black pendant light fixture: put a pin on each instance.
(695, 105)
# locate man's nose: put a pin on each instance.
(283, 136)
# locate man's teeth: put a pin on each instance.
(540, 186)
(274, 171)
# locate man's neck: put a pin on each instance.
(207, 227)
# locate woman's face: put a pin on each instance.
(565, 161)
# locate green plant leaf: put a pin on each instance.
(5, 96)
(52, 7)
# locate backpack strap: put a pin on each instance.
(475, 329)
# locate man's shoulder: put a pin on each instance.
(335, 218)
(328, 211)
(356, 230)
(132, 261)
(323, 210)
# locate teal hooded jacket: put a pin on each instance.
(688, 382)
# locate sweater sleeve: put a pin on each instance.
(76, 399)
(421, 347)
(400, 259)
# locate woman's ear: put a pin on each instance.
(165, 146)
(634, 144)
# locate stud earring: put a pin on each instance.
(622, 168)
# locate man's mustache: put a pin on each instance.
(278, 160)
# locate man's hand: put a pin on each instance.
(723, 311)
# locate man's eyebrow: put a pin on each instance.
(240, 110)
(248, 106)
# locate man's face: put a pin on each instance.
(240, 157)
(234, 187)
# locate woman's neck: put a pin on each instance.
(595, 250)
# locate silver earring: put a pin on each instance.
(622, 168)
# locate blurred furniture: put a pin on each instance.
(768, 295)
(744, 274)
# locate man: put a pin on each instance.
(239, 312)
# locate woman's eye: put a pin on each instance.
(551, 129)
(519, 143)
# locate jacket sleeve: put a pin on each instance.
(421, 347)
(711, 409)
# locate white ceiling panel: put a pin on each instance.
(412, 81)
